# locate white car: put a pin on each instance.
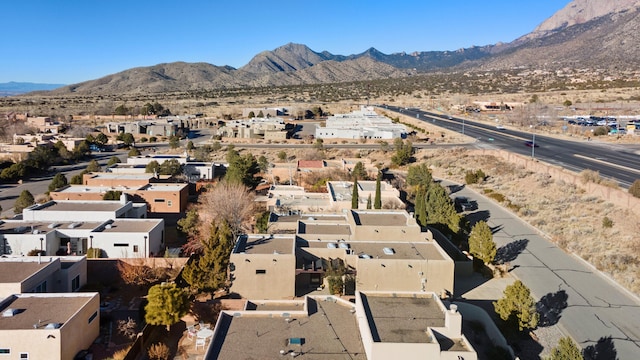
(500, 127)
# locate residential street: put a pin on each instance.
(585, 303)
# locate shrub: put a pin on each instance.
(121, 354)
(497, 196)
(601, 130)
(635, 189)
(607, 223)
(159, 351)
(153, 139)
(335, 285)
(94, 253)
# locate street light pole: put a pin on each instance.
(533, 144)
(462, 126)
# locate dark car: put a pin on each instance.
(462, 203)
(531, 144)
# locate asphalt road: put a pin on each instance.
(9, 193)
(596, 307)
(618, 162)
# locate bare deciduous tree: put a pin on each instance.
(230, 201)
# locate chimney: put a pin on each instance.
(453, 321)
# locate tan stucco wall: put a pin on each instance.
(74, 335)
(277, 283)
(403, 275)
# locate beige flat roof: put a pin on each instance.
(265, 245)
(402, 250)
(41, 310)
(83, 206)
(380, 218)
(331, 332)
(132, 226)
(323, 229)
(15, 272)
(28, 227)
(401, 319)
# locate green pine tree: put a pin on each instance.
(208, 272)
(57, 182)
(369, 202)
(566, 350)
(167, 305)
(354, 194)
(421, 207)
(440, 209)
(517, 307)
(377, 202)
(481, 244)
(24, 200)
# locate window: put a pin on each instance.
(169, 203)
(41, 288)
(261, 271)
(75, 283)
(24, 356)
(121, 245)
(5, 351)
(158, 200)
(93, 317)
(135, 248)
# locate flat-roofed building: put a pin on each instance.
(402, 325)
(360, 124)
(318, 328)
(264, 266)
(341, 194)
(30, 274)
(114, 180)
(73, 227)
(159, 197)
(48, 326)
(383, 249)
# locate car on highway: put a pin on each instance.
(500, 127)
(531, 144)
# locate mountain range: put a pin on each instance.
(584, 34)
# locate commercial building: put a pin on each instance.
(361, 124)
(269, 128)
(52, 326)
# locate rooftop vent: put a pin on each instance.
(53, 326)
(10, 312)
(20, 229)
(53, 225)
(332, 246)
(388, 251)
(74, 225)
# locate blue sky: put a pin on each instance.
(70, 41)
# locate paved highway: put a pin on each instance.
(617, 162)
(596, 306)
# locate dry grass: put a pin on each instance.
(570, 217)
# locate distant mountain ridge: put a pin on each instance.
(16, 88)
(585, 33)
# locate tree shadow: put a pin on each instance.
(604, 349)
(495, 229)
(474, 217)
(455, 188)
(510, 251)
(550, 307)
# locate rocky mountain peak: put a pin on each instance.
(582, 11)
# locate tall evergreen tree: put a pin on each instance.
(481, 244)
(354, 194)
(440, 209)
(419, 175)
(369, 201)
(377, 201)
(421, 207)
(517, 307)
(167, 305)
(208, 272)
